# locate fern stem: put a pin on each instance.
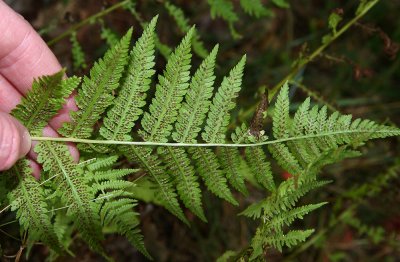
(170, 144)
(318, 51)
(77, 26)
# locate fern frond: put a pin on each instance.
(219, 114)
(44, 101)
(172, 86)
(73, 190)
(28, 199)
(209, 170)
(78, 56)
(101, 163)
(127, 106)
(184, 27)
(95, 95)
(255, 8)
(197, 101)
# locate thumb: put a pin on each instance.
(15, 141)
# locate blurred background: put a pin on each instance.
(359, 74)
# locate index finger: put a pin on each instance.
(25, 56)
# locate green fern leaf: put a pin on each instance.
(44, 101)
(78, 56)
(127, 106)
(117, 205)
(73, 190)
(152, 165)
(281, 127)
(260, 166)
(255, 8)
(287, 217)
(289, 239)
(209, 169)
(183, 175)
(197, 101)
(101, 163)
(218, 116)
(256, 158)
(224, 9)
(231, 163)
(108, 35)
(184, 27)
(163, 111)
(33, 214)
(95, 95)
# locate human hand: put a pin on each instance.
(23, 56)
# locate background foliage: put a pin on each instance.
(358, 74)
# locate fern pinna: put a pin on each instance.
(174, 146)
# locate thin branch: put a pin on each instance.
(318, 51)
(88, 20)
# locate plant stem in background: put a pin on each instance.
(318, 51)
(75, 27)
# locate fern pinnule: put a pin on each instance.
(280, 128)
(44, 101)
(197, 101)
(255, 8)
(225, 10)
(96, 92)
(210, 171)
(117, 204)
(172, 86)
(260, 166)
(32, 211)
(127, 106)
(73, 190)
(183, 176)
(289, 239)
(255, 156)
(183, 25)
(287, 217)
(100, 163)
(219, 113)
(78, 56)
(153, 166)
(108, 35)
(232, 164)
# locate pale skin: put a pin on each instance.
(24, 56)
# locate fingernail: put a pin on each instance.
(25, 143)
